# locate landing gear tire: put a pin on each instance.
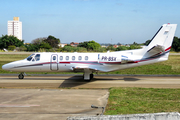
(91, 76)
(21, 76)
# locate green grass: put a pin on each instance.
(142, 100)
(169, 67)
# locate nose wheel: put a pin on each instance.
(21, 76)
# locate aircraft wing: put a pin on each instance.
(81, 68)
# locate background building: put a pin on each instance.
(15, 28)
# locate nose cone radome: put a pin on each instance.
(6, 67)
(12, 65)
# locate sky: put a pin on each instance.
(104, 21)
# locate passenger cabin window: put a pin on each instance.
(67, 57)
(79, 58)
(30, 57)
(61, 57)
(37, 57)
(86, 57)
(73, 57)
(54, 57)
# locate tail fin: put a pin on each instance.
(162, 40)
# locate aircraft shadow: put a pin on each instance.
(78, 80)
(131, 79)
(73, 82)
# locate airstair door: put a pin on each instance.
(54, 62)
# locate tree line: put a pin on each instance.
(51, 44)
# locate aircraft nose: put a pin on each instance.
(10, 66)
(6, 67)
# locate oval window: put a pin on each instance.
(79, 58)
(86, 57)
(73, 57)
(61, 57)
(67, 57)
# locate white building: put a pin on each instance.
(15, 28)
(62, 44)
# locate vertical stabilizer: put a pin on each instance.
(162, 40)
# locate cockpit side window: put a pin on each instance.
(37, 57)
(30, 57)
(33, 60)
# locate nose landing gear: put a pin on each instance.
(21, 76)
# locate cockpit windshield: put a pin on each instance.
(34, 57)
(30, 57)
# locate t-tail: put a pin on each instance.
(160, 44)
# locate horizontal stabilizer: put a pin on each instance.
(156, 49)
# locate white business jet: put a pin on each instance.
(89, 63)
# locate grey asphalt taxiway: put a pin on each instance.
(49, 97)
(99, 81)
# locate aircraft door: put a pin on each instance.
(54, 62)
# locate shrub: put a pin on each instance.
(11, 47)
(22, 48)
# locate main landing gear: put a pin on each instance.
(88, 75)
(21, 76)
(91, 76)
